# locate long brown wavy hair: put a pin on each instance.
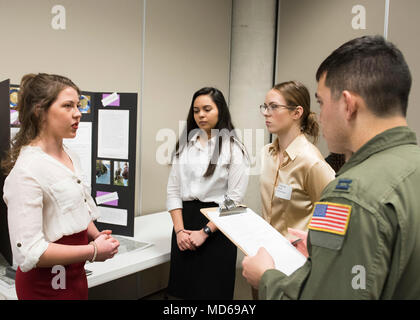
(36, 94)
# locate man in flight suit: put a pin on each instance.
(364, 239)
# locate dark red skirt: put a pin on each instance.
(43, 284)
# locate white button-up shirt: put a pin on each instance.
(46, 201)
(187, 182)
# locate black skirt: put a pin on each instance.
(208, 272)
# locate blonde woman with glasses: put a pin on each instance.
(294, 172)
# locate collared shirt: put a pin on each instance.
(378, 257)
(46, 201)
(305, 171)
(187, 182)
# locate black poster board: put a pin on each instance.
(5, 248)
(126, 194)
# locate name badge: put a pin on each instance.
(283, 191)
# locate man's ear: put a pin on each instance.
(351, 104)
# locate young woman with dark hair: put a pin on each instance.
(209, 163)
(50, 209)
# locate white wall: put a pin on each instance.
(251, 76)
(186, 47)
(308, 31)
(99, 50)
(404, 26)
(252, 71)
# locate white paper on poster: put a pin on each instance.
(13, 132)
(113, 216)
(82, 146)
(113, 132)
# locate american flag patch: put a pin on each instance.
(330, 217)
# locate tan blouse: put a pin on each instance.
(289, 189)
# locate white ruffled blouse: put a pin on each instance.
(46, 201)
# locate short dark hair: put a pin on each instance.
(373, 68)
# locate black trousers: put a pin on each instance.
(207, 273)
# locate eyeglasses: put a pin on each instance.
(274, 107)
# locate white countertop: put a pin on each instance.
(154, 228)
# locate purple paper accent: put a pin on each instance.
(110, 203)
(14, 113)
(116, 103)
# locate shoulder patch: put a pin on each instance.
(330, 217)
(343, 185)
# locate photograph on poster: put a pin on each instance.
(85, 104)
(14, 114)
(113, 216)
(121, 173)
(113, 133)
(82, 145)
(108, 198)
(103, 172)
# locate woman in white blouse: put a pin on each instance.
(209, 163)
(50, 209)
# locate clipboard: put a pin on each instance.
(207, 213)
(229, 207)
(249, 231)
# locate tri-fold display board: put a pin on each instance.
(106, 145)
(113, 162)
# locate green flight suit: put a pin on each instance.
(379, 255)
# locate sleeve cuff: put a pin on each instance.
(172, 204)
(268, 277)
(95, 213)
(275, 285)
(32, 257)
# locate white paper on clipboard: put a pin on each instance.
(249, 232)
